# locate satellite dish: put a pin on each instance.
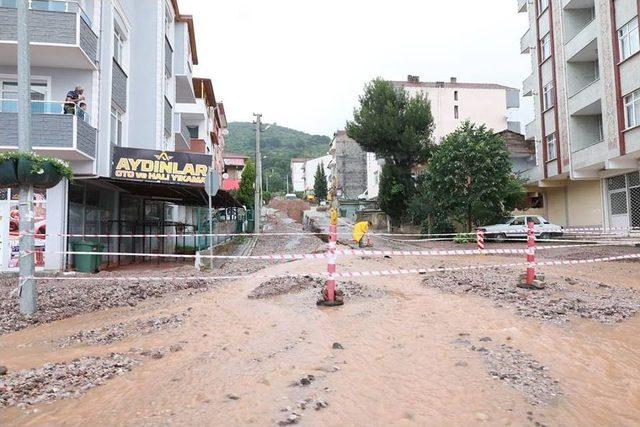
(225, 176)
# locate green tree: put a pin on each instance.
(396, 190)
(469, 180)
(398, 128)
(320, 185)
(246, 193)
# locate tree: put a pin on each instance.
(469, 180)
(320, 185)
(396, 190)
(399, 129)
(393, 125)
(246, 192)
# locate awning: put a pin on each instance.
(178, 194)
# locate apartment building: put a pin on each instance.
(585, 83)
(297, 170)
(348, 167)
(454, 102)
(145, 115)
(303, 172)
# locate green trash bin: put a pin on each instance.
(86, 263)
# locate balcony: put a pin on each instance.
(531, 131)
(181, 133)
(528, 85)
(587, 101)
(584, 46)
(64, 136)
(60, 34)
(526, 41)
(522, 6)
(531, 176)
(592, 157)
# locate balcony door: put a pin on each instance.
(9, 96)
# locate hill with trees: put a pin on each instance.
(278, 145)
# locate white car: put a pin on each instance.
(516, 227)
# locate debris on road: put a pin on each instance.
(520, 371)
(55, 381)
(116, 332)
(561, 299)
(289, 285)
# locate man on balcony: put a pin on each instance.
(73, 99)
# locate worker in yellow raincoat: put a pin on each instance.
(360, 230)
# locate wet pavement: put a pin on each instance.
(408, 355)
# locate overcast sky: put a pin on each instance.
(303, 64)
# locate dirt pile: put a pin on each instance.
(119, 331)
(61, 299)
(61, 380)
(293, 209)
(313, 285)
(515, 368)
(563, 297)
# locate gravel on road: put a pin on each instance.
(562, 298)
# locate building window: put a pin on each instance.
(542, 5)
(545, 47)
(116, 127)
(629, 39)
(600, 129)
(194, 131)
(551, 146)
(168, 20)
(456, 112)
(547, 96)
(118, 45)
(455, 95)
(632, 109)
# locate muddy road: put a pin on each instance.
(403, 350)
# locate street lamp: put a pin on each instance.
(258, 184)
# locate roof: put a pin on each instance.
(203, 89)
(298, 160)
(187, 19)
(222, 114)
(452, 85)
(227, 155)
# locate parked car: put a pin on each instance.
(516, 227)
(290, 196)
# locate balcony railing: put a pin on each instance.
(47, 107)
(57, 129)
(51, 6)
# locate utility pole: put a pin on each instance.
(258, 185)
(28, 302)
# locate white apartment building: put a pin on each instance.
(454, 102)
(135, 61)
(585, 82)
(297, 168)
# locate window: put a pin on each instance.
(194, 132)
(545, 47)
(518, 221)
(632, 109)
(533, 219)
(629, 39)
(456, 112)
(455, 95)
(118, 45)
(551, 146)
(542, 5)
(116, 127)
(168, 20)
(547, 96)
(600, 129)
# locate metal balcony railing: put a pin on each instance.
(47, 107)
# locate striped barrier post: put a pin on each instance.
(330, 296)
(331, 264)
(480, 239)
(531, 258)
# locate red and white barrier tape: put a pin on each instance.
(374, 273)
(344, 233)
(340, 252)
